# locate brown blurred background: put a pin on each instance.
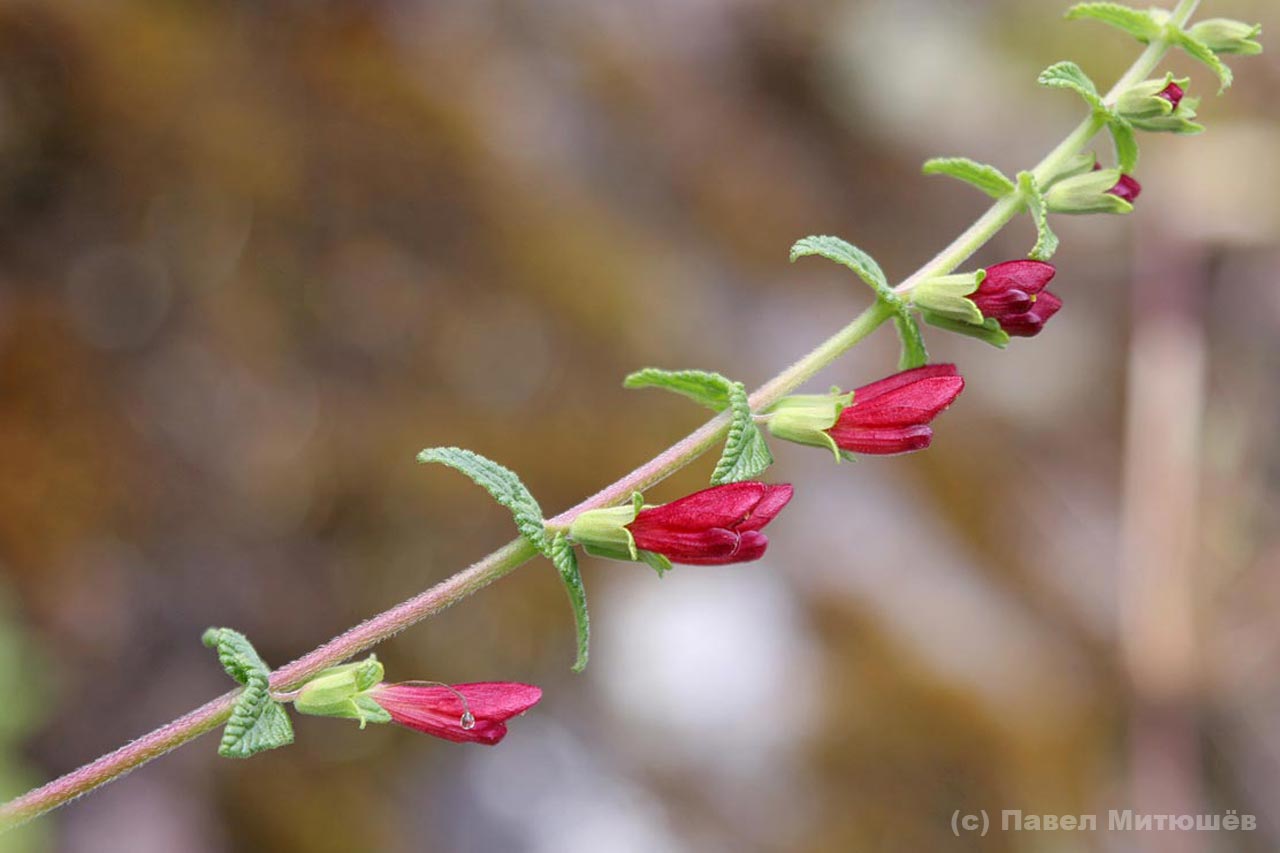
(254, 255)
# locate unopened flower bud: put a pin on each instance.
(1101, 191)
(1150, 98)
(1160, 105)
(1223, 35)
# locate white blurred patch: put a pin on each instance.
(548, 788)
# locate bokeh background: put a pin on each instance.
(254, 255)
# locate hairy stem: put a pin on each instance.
(517, 552)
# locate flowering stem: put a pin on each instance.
(517, 552)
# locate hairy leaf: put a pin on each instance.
(913, 353)
(1126, 143)
(1139, 24)
(1067, 75)
(566, 563)
(746, 454)
(863, 265)
(502, 483)
(989, 179)
(1200, 51)
(257, 722)
(1046, 240)
(701, 386)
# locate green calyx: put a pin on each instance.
(805, 418)
(947, 296)
(1087, 193)
(344, 692)
(604, 533)
(1077, 165)
(1223, 35)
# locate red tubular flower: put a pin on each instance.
(1172, 93)
(712, 527)
(892, 415)
(1014, 294)
(441, 711)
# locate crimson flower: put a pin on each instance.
(1014, 294)
(712, 527)
(893, 414)
(463, 713)
(1172, 93)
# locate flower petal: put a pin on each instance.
(724, 506)
(882, 442)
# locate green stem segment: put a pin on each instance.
(517, 552)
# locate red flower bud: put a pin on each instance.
(892, 415)
(1013, 293)
(712, 527)
(1127, 187)
(442, 711)
(1171, 93)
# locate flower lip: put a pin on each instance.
(1013, 293)
(439, 711)
(715, 526)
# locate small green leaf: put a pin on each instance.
(1126, 143)
(989, 179)
(236, 654)
(709, 389)
(746, 453)
(257, 722)
(658, 562)
(1067, 75)
(502, 483)
(913, 352)
(1137, 23)
(1200, 51)
(989, 331)
(1046, 240)
(566, 563)
(835, 249)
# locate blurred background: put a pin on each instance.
(254, 256)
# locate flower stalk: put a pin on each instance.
(519, 551)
